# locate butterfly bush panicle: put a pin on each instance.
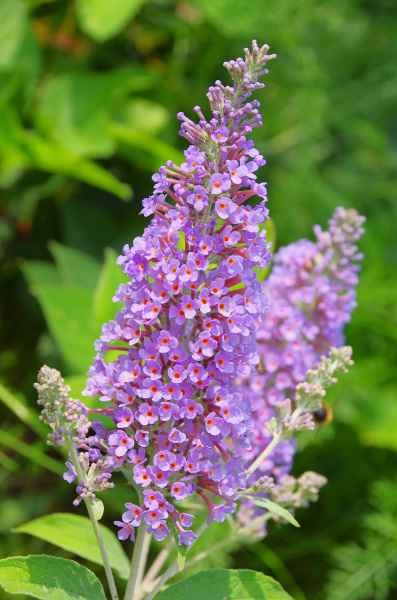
(311, 298)
(187, 327)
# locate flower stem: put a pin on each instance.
(157, 564)
(142, 565)
(173, 568)
(135, 571)
(94, 522)
(263, 455)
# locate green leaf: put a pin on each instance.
(74, 109)
(77, 384)
(75, 534)
(144, 149)
(17, 403)
(49, 578)
(110, 278)
(19, 51)
(140, 114)
(102, 19)
(182, 550)
(21, 149)
(37, 272)
(220, 584)
(32, 452)
(98, 508)
(270, 227)
(274, 508)
(48, 156)
(75, 267)
(68, 312)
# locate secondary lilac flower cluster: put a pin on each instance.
(311, 298)
(187, 328)
(308, 397)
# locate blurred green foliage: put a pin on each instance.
(89, 90)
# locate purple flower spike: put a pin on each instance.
(187, 325)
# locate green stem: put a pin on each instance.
(173, 568)
(94, 522)
(157, 565)
(212, 549)
(142, 565)
(276, 439)
(263, 455)
(163, 579)
(136, 560)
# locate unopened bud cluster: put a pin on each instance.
(309, 393)
(96, 476)
(293, 493)
(66, 416)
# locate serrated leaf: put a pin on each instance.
(75, 534)
(68, 312)
(274, 508)
(102, 19)
(75, 267)
(231, 584)
(49, 578)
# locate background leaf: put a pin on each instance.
(20, 56)
(68, 310)
(75, 268)
(20, 149)
(102, 19)
(111, 276)
(74, 109)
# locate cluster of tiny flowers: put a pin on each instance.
(311, 298)
(187, 328)
(66, 416)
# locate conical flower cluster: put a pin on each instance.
(187, 327)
